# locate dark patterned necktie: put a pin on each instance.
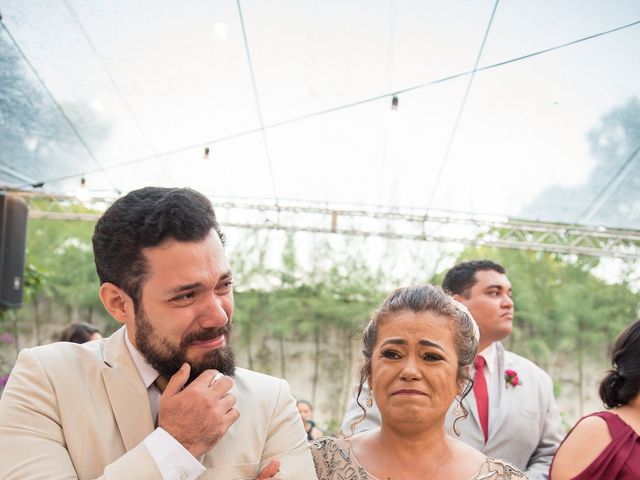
(161, 383)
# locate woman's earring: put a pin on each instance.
(369, 401)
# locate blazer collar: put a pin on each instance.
(506, 394)
(505, 398)
(127, 394)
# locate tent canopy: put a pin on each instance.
(519, 109)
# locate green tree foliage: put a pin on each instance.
(63, 250)
(616, 175)
(326, 303)
(61, 284)
(322, 300)
(33, 282)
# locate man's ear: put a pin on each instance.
(117, 303)
(459, 298)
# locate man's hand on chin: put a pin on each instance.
(200, 414)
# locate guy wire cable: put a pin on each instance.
(59, 108)
(349, 105)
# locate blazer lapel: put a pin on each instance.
(470, 404)
(127, 395)
(469, 428)
(506, 394)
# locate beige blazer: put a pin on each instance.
(81, 411)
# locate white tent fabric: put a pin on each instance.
(293, 100)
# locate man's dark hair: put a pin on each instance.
(462, 277)
(142, 219)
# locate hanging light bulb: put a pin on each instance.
(82, 193)
(206, 153)
(394, 103)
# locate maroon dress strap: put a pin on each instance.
(614, 422)
(620, 459)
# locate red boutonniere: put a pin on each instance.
(511, 376)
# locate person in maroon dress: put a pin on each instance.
(606, 445)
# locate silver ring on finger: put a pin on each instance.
(217, 377)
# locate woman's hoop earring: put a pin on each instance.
(369, 400)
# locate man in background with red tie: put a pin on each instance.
(513, 413)
(515, 416)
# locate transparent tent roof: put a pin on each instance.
(293, 100)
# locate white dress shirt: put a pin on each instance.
(173, 460)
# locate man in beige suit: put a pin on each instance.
(161, 398)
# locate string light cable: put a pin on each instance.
(114, 86)
(356, 103)
(463, 103)
(257, 99)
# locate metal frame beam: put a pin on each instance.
(385, 222)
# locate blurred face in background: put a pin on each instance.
(306, 412)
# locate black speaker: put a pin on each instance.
(13, 233)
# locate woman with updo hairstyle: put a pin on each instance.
(418, 349)
(606, 444)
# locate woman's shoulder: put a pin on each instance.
(464, 450)
(329, 443)
(489, 469)
(333, 459)
(492, 469)
(593, 424)
(581, 447)
(323, 450)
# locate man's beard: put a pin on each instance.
(167, 357)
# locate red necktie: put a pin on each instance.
(482, 395)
